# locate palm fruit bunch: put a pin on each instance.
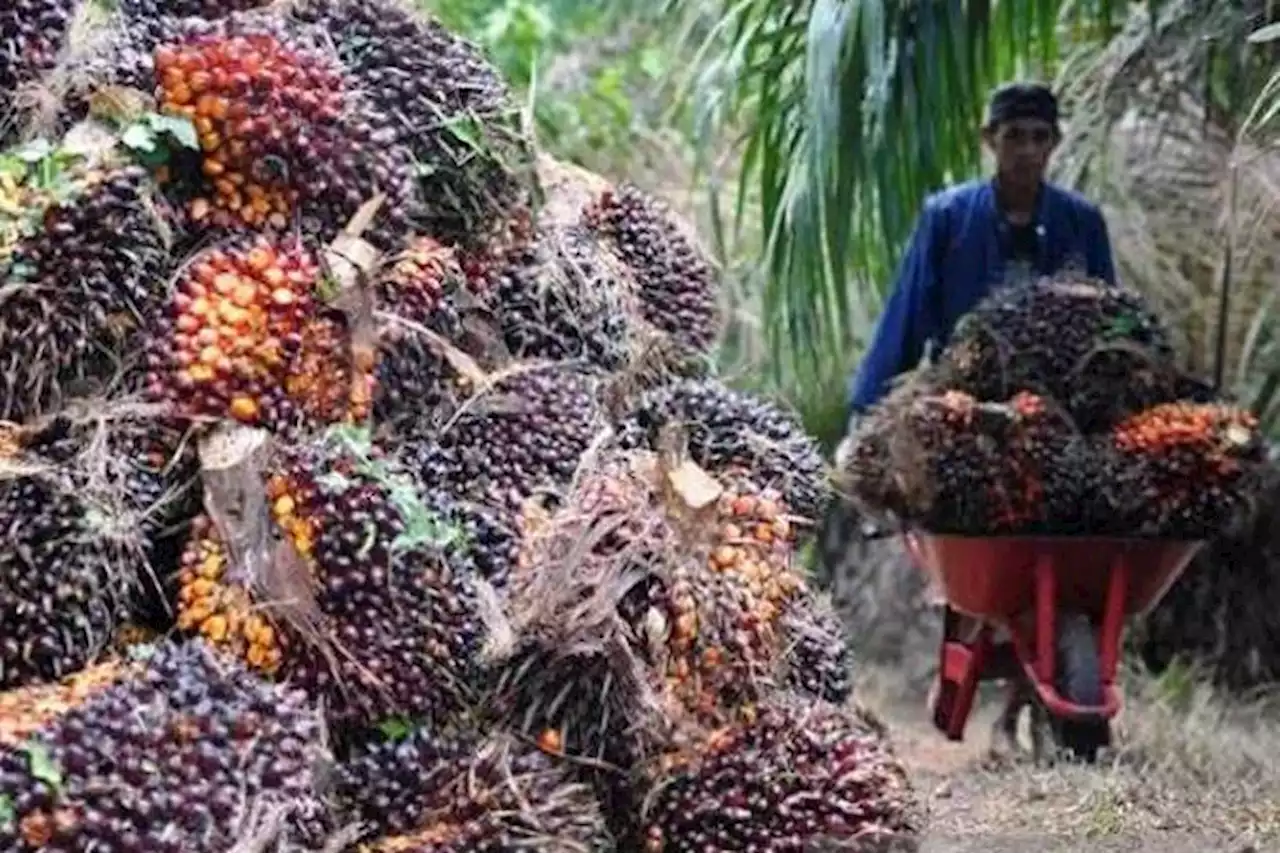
(1098, 351)
(1221, 612)
(392, 627)
(561, 297)
(798, 776)
(186, 8)
(32, 35)
(677, 286)
(83, 274)
(25, 710)
(245, 338)
(972, 468)
(421, 296)
(458, 793)
(444, 103)
(584, 609)
(520, 438)
(728, 429)
(121, 454)
(216, 604)
(266, 107)
(73, 565)
(192, 749)
(1191, 468)
(635, 610)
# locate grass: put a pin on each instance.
(1192, 770)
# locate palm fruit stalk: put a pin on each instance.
(393, 630)
(799, 776)
(32, 36)
(245, 338)
(194, 750)
(1098, 351)
(445, 793)
(678, 287)
(214, 602)
(727, 429)
(267, 106)
(422, 296)
(74, 565)
(985, 469)
(83, 270)
(1192, 470)
(519, 438)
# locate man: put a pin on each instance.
(971, 239)
(984, 234)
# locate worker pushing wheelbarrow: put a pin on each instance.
(1045, 552)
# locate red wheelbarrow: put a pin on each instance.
(1062, 602)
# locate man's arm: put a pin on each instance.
(907, 319)
(1098, 247)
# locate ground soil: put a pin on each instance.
(1179, 782)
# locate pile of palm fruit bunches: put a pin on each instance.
(1058, 409)
(364, 480)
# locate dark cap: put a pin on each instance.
(1022, 100)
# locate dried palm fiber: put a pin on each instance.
(439, 792)
(245, 336)
(33, 35)
(631, 608)
(1221, 615)
(520, 436)
(392, 625)
(424, 301)
(1098, 351)
(678, 286)
(1181, 471)
(439, 98)
(799, 775)
(201, 755)
(971, 468)
(79, 497)
(82, 265)
(728, 429)
(259, 141)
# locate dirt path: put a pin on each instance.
(1198, 798)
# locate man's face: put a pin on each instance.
(1021, 148)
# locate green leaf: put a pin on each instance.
(139, 137)
(43, 767)
(396, 729)
(7, 814)
(180, 128)
(35, 150)
(1269, 33)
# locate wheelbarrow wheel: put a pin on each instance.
(1080, 681)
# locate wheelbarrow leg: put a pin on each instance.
(959, 671)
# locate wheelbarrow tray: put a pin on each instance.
(994, 578)
(1022, 583)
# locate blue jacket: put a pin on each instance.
(955, 257)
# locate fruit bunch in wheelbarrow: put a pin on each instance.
(1057, 408)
